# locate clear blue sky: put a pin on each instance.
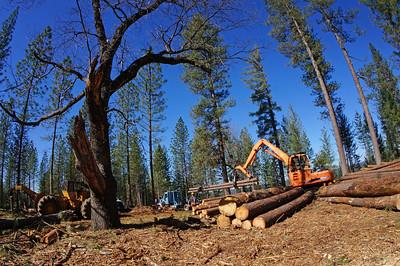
(286, 85)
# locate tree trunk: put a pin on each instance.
(210, 212)
(386, 202)
(229, 204)
(364, 102)
(328, 102)
(3, 158)
(246, 225)
(128, 178)
(53, 142)
(281, 213)
(94, 161)
(28, 222)
(276, 140)
(150, 117)
(379, 185)
(251, 210)
(236, 223)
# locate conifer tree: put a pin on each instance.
(387, 17)
(211, 87)
(325, 158)
(6, 33)
(5, 132)
(181, 157)
(349, 144)
(138, 168)
(30, 74)
(298, 42)
(44, 174)
(363, 137)
(265, 117)
(334, 20)
(152, 107)
(294, 137)
(162, 177)
(386, 94)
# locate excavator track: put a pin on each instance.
(86, 209)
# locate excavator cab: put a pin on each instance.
(76, 192)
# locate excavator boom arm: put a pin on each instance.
(270, 149)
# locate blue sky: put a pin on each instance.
(286, 85)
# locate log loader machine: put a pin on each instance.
(298, 165)
(76, 196)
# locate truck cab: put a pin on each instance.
(171, 198)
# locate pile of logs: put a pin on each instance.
(374, 187)
(260, 208)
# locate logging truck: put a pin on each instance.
(298, 165)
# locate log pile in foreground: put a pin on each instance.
(374, 187)
(266, 211)
(284, 211)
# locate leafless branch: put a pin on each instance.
(37, 122)
(98, 23)
(85, 32)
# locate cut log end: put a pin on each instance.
(242, 212)
(228, 208)
(223, 221)
(247, 225)
(259, 223)
(236, 223)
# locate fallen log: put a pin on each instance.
(246, 225)
(28, 221)
(212, 199)
(363, 187)
(51, 237)
(365, 174)
(255, 208)
(282, 212)
(223, 221)
(386, 202)
(229, 204)
(236, 223)
(210, 212)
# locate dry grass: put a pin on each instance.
(321, 234)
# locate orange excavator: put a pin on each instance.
(298, 165)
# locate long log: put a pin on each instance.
(28, 221)
(229, 204)
(378, 173)
(224, 221)
(211, 199)
(255, 208)
(282, 212)
(210, 212)
(386, 202)
(363, 187)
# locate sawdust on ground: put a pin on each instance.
(320, 234)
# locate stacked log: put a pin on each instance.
(229, 204)
(282, 212)
(251, 210)
(376, 187)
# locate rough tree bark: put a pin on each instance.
(281, 213)
(360, 91)
(379, 185)
(343, 165)
(53, 142)
(386, 202)
(252, 209)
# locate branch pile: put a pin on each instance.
(373, 187)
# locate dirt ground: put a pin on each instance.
(320, 234)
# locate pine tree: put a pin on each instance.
(211, 87)
(204, 160)
(298, 42)
(294, 137)
(181, 158)
(5, 132)
(325, 158)
(152, 106)
(347, 133)
(139, 173)
(363, 137)
(6, 33)
(265, 117)
(60, 94)
(334, 20)
(44, 174)
(162, 176)
(386, 94)
(387, 17)
(30, 74)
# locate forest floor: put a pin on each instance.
(320, 234)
